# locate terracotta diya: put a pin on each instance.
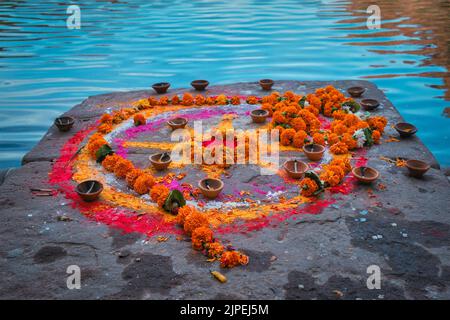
(417, 168)
(295, 168)
(199, 85)
(210, 187)
(356, 92)
(365, 175)
(314, 152)
(89, 190)
(405, 129)
(160, 161)
(369, 104)
(64, 123)
(161, 87)
(266, 84)
(177, 123)
(259, 115)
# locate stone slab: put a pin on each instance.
(404, 229)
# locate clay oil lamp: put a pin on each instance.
(160, 161)
(405, 129)
(161, 87)
(417, 168)
(199, 85)
(314, 152)
(295, 168)
(266, 84)
(89, 190)
(64, 123)
(210, 187)
(369, 104)
(259, 115)
(356, 92)
(365, 175)
(177, 123)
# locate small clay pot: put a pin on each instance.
(160, 161)
(161, 87)
(210, 187)
(266, 84)
(417, 168)
(405, 129)
(200, 85)
(365, 175)
(259, 115)
(314, 152)
(89, 190)
(295, 173)
(369, 104)
(177, 123)
(356, 92)
(64, 123)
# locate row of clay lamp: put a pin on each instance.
(211, 188)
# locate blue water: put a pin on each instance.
(45, 68)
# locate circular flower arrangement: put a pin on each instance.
(139, 199)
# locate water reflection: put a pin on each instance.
(45, 68)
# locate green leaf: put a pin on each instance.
(102, 152)
(354, 106)
(369, 139)
(175, 196)
(312, 175)
(301, 102)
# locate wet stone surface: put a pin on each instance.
(404, 229)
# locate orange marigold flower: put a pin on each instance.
(200, 100)
(139, 120)
(376, 136)
(195, 220)
(95, 143)
(183, 212)
(210, 101)
(338, 127)
(252, 100)
(319, 138)
(201, 236)
(300, 138)
(332, 138)
(330, 178)
(104, 128)
(221, 100)
(232, 259)
(110, 162)
(235, 100)
(143, 183)
(152, 101)
(268, 107)
(279, 118)
(287, 137)
(312, 110)
(298, 124)
(175, 100)
(215, 249)
(339, 114)
(106, 118)
(289, 111)
(343, 163)
(118, 116)
(290, 96)
(122, 167)
(339, 148)
(159, 193)
(348, 139)
(188, 99)
(308, 187)
(131, 176)
(163, 101)
(350, 120)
